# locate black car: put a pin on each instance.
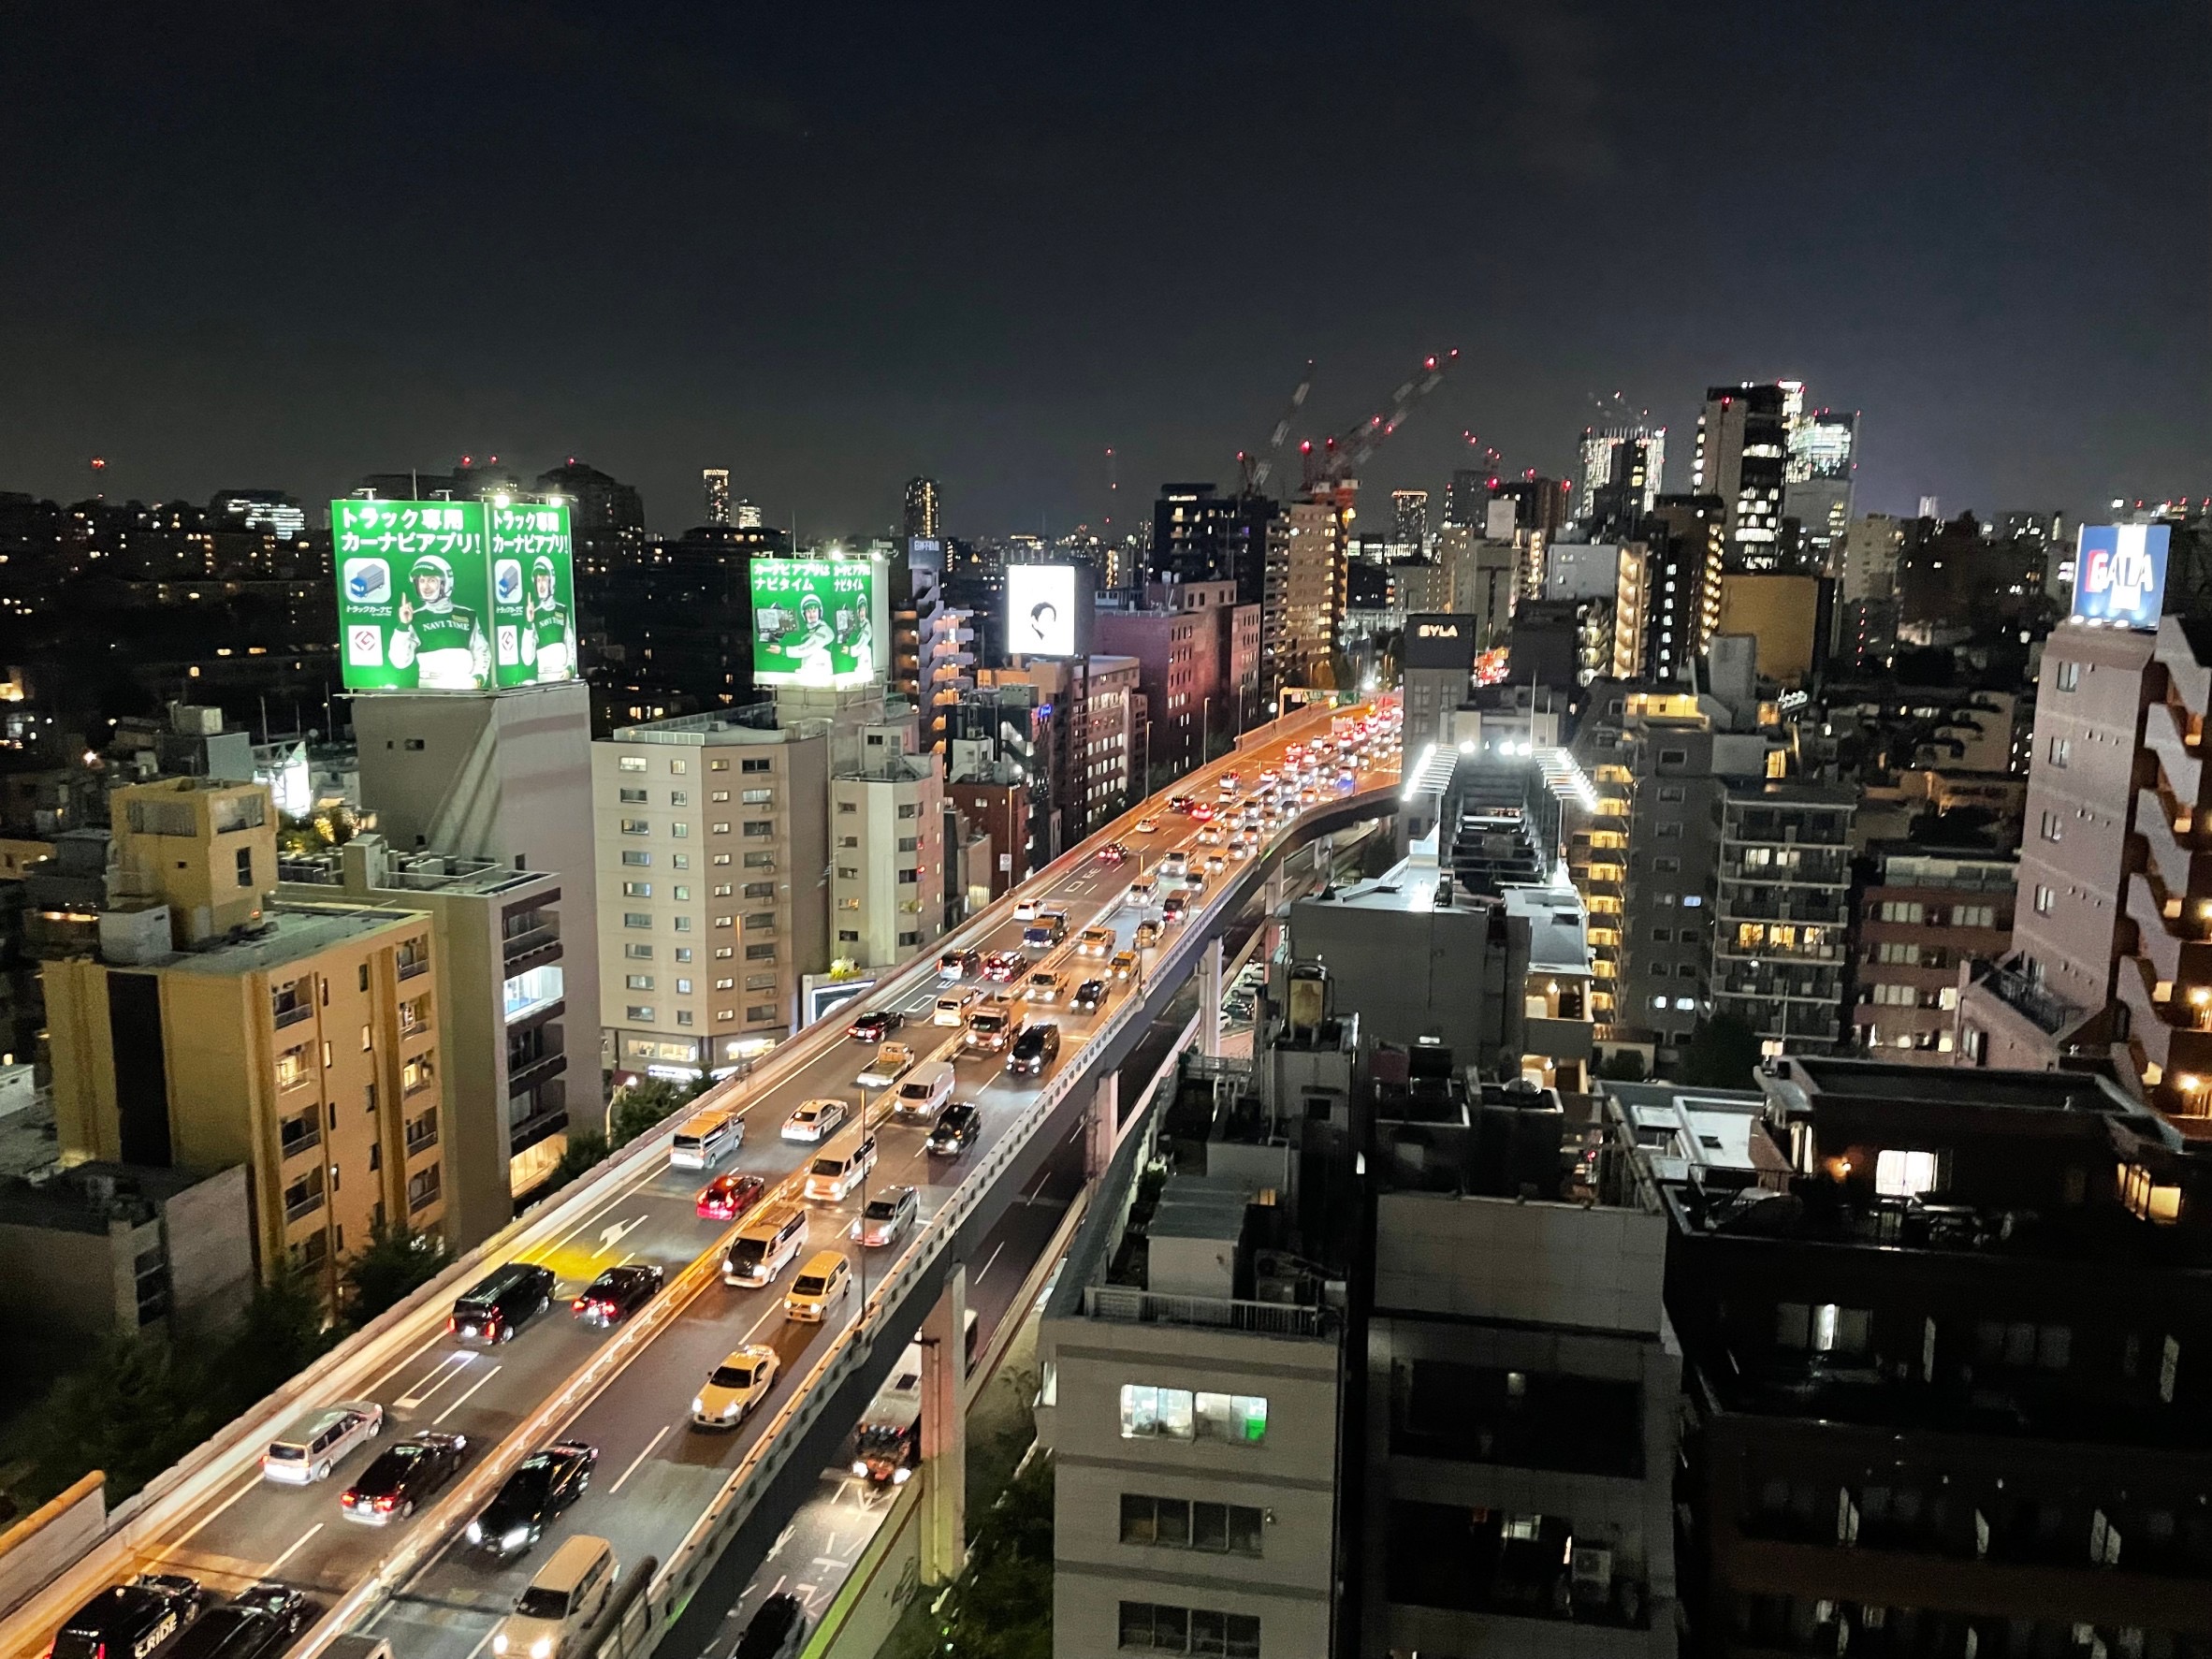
(502, 1303)
(259, 1623)
(776, 1631)
(132, 1620)
(543, 1484)
(1036, 1048)
(956, 1129)
(1089, 996)
(875, 1024)
(391, 1488)
(618, 1293)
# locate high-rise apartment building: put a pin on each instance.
(1466, 497)
(887, 848)
(1313, 589)
(712, 834)
(1177, 640)
(1409, 521)
(1688, 538)
(217, 1028)
(1484, 575)
(1923, 918)
(1743, 458)
(1624, 472)
(1872, 545)
(921, 517)
(1782, 912)
(715, 480)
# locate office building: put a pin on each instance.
(921, 517)
(1782, 914)
(1623, 473)
(270, 509)
(715, 482)
(216, 1028)
(1817, 490)
(1938, 1333)
(1484, 574)
(2048, 531)
(1688, 538)
(1409, 522)
(502, 1010)
(1922, 919)
(713, 834)
(1438, 660)
(944, 639)
(887, 835)
(1789, 615)
(1871, 548)
(1177, 642)
(1743, 459)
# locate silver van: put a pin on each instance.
(308, 1450)
(562, 1603)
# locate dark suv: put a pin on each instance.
(502, 1303)
(258, 1624)
(133, 1619)
(1036, 1048)
(618, 1293)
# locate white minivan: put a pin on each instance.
(703, 1138)
(922, 1092)
(306, 1452)
(562, 1603)
(951, 1008)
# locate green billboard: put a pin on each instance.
(532, 594)
(453, 596)
(816, 621)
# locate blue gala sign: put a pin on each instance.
(2120, 573)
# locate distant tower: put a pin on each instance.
(921, 515)
(749, 514)
(716, 480)
(1409, 520)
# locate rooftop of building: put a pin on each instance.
(287, 934)
(419, 871)
(756, 722)
(1791, 791)
(88, 1196)
(1897, 867)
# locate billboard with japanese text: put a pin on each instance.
(414, 610)
(817, 621)
(532, 583)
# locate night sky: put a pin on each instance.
(828, 246)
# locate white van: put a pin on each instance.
(306, 1452)
(766, 1244)
(1142, 891)
(834, 1174)
(821, 1282)
(951, 1008)
(923, 1091)
(562, 1603)
(703, 1138)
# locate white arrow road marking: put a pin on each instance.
(611, 1236)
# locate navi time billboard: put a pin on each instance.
(453, 596)
(817, 621)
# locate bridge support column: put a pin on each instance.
(1274, 888)
(944, 1433)
(1209, 999)
(1100, 1124)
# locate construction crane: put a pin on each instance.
(1256, 469)
(1338, 458)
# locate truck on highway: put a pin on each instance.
(888, 1444)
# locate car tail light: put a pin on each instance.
(451, 1325)
(387, 1505)
(580, 1303)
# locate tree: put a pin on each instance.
(1624, 1065)
(397, 1261)
(135, 1410)
(1723, 1053)
(586, 1148)
(282, 1330)
(641, 1106)
(1001, 1605)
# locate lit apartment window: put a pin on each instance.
(631, 763)
(1908, 1174)
(636, 826)
(1177, 1414)
(638, 1012)
(637, 890)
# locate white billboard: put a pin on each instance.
(1046, 606)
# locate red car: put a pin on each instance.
(1113, 852)
(1201, 812)
(1004, 965)
(729, 1196)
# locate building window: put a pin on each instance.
(1177, 1414)
(637, 890)
(1148, 1627)
(760, 1013)
(1822, 1327)
(1179, 1523)
(1908, 1174)
(632, 797)
(631, 763)
(639, 860)
(2061, 750)
(760, 952)
(638, 1014)
(636, 826)
(638, 953)
(636, 919)
(637, 981)
(2045, 900)
(761, 765)
(2051, 831)
(679, 767)
(2020, 1344)
(2069, 677)
(757, 826)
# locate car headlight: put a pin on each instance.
(475, 1532)
(541, 1648)
(730, 1410)
(499, 1642)
(698, 1403)
(516, 1536)
(860, 1468)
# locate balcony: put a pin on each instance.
(412, 963)
(2157, 938)
(2177, 755)
(296, 1135)
(516, 949)
(422, 1134)
(421, 1195)
(302, 1198)
(288, 1010)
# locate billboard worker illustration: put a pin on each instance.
(548, 640)
(444, 642)
(807, 646)
(1044, 626)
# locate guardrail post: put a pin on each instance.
(1209, 999)
(944, 1431)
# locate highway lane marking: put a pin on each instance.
(649, 1172)
(483, 1641)
(298, 1544)
(465, 1398)
(210, 1516)
(611, 1236)
(989, 1263)
(438, 1377)
(639, 1459)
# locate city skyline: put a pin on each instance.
(268, 342)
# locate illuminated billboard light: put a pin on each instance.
(1041, 609)
(2120, 573)
(815, 621)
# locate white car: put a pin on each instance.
(887, 1216)
(1148, 826)
(735, 1387)
(951, 1008)
(1025, 908)
(814, 1119)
